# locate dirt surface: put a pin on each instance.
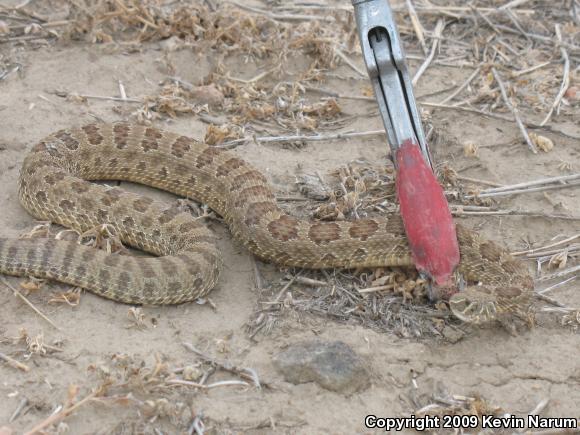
(97, 336)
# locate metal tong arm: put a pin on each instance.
(392, 85)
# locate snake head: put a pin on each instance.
(485, 304)
(481, 304)
(474, 306)
(470, 304)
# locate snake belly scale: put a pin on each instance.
(55, 185)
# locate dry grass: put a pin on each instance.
(533, 50)
(151, 388)
(483, 36)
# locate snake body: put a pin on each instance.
(55, 185)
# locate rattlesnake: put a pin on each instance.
(54, 186)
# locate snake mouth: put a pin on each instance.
(444, 291)
(473, 311)
(440, 292)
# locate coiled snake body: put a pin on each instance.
(54, 185)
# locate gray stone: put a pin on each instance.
(332, 365)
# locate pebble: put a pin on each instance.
(208, 94)
(332, 365)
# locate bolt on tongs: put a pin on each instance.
(424, 209)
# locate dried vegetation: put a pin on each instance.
(524, 61)
(298, 48)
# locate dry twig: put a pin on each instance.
(436, 40)
(13, 363)
(27, 302)
(565, 78)
(561, 273)
(514, 111)
(419, 31)
(349, 62)
(551, 245)
(59, 416)
(305, 138)
(529, 186)
(462, 87)
(18, 409)
(244, 372)
(281, 17)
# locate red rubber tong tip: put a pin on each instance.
(426, 216)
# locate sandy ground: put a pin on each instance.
(514, 373)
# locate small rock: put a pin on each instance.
(332, 365)
(573, 94)
(452, 335)
(192, 373)
(311, 186)
(470, 149)
(208, 94)
(542, 142)
(4, 28)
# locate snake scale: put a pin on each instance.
(55, 185)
